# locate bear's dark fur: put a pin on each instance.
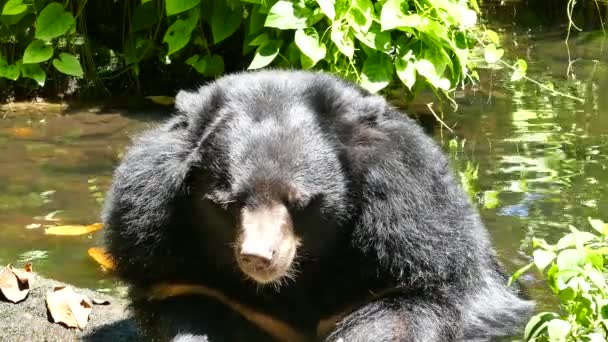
(380, 213)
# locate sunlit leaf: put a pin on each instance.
(377, 72)
(493, 54)
(287, 15)
(308, 42)
(14, 7)
(68, 64)
(537, 324)
(265, 54)
(344, 39)
(68, 307)
(73, 229)
(53, 21)
(173, 7)
(360, 15)
(392, 16)
(519, 273)
(558, 330)
(406, 71)
(102, 257)
(493, 36)
(542, 258)
(521, 67)
(327, 7)
(598, 225)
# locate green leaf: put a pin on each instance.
(490, 199)
(392, 16)
(493, 36)
(308, 42)
(377, 72)
(537, 324)
(287, 15)
(598, 225)
(144, 17)
(178, 34)
(521, 67)
(68, 64)
(558, 330)
(215, 65)
(344, 39)
(53, 21)
(360, 15)
(492, 54)
(259, 40)
(225, 20)
(14, 7)
(406, 71)
(256, 20)
(427, 69)
(199, 64)
(569, 259)
(35, 72)
(542, 258)
(376, 39)
(328, 8)
(265, 54)
(10, 71)
(173, 7)
(36, 52)
(519, 272)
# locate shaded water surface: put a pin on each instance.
(541, 162)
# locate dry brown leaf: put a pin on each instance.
(68, 307)
(15, 284)
(102, 257)
(22, 132)
(73, 229)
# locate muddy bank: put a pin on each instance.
(29, 320)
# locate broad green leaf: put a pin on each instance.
(35, 72)
(215, 65)
(406, 71)
(36, 52)
(53, 21)
(256, 20)
(536, 242)
(225, 20)
(344, 39)
(427, 69)
(199, 64)
(558, 330)
(377, 72)
(178, 6)
(493, 36)
(542, 259)
(259, 40)
(178, 34)
(392, 16)
(308, 42)
(571, 259)
(68, 64)
(287, 15)
(376, 39)
(265, 54)
(360, 16)
(328, 8)
(598, 225)
(537, 324)
(521, 67)
(492, 54)
(14, 7)
(144, 17)
(10, 71)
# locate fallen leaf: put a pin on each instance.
(15, 284)
(68, 307)
(73, 229)
(22, 132)
(33, 226)
(100, 301)
(102, 257)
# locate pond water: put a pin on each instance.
(541, 161)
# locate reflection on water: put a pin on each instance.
(534, 163)
(544, 158)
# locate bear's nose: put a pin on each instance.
(256, 261)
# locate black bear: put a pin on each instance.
(296, 206)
